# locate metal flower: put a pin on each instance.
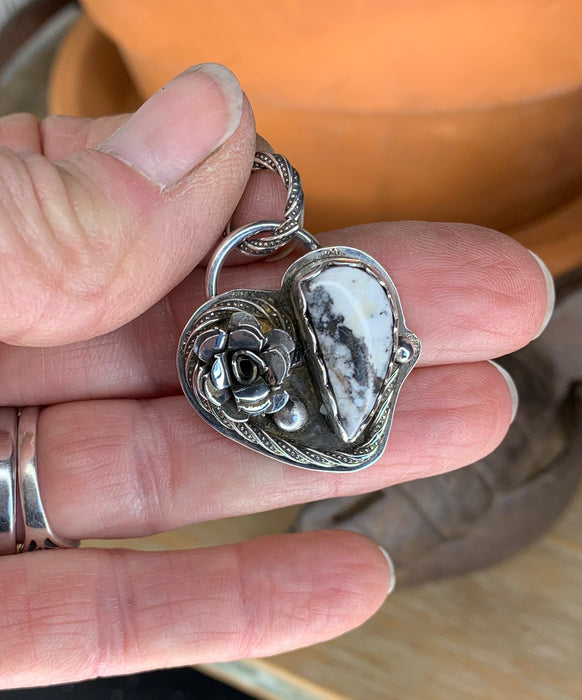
(244, 367)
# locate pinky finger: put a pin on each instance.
(69, 615)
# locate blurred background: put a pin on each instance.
(458, 110)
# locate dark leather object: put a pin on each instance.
(474, 517)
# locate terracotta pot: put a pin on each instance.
(88, 77)
(432, 109)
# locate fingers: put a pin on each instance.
(129, 468)
(64, 136)
(469, 293)
(71, 615)
(91, 241)
(265, 197)
(20, 131)
(57, 137)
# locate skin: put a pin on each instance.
(99, 276)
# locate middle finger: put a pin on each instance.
(125, 468)
(468, 293)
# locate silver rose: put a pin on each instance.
(245, 367)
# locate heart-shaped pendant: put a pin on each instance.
(309, 374)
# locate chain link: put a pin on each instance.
(266, 243)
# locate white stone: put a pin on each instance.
(352, 320)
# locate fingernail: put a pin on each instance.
(512, 388)
(181, 125)
(388, 558)
(550, 289)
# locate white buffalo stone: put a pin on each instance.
(351, 317)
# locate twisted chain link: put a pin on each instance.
(268, 242)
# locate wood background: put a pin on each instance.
(513, 632)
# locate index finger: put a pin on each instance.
(468, 293)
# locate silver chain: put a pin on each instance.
(266, 243)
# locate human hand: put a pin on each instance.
(95, 245)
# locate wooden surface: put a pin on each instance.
(513, 632)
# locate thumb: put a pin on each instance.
(90, 242)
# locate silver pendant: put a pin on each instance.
(309, 374)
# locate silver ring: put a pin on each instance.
(294, 208)
(8, 427)
(37, 532)
(239, 236)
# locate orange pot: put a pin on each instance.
(390, 109)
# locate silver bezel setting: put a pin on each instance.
(309, 267)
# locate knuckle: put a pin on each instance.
(116, 638)
(148, 464)
(20, 130)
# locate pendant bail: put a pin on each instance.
(241, 235)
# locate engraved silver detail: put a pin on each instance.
(314, 445)
(267, 242)
(250, 363)
(244, 378)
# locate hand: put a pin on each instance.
(101, 224)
